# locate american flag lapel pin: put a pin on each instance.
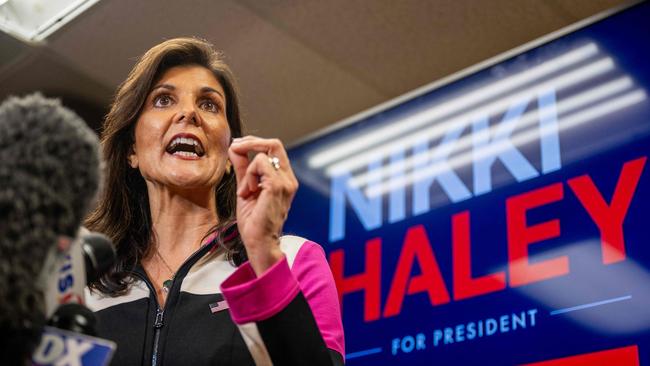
(218, 306)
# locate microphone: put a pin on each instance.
(71, 331)
(75, 318)
(72, 266)
(49, 175)
(53, 150)
(64, 293)
(99, 255)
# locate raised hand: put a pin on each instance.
(265, 188)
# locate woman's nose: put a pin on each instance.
(188, 114)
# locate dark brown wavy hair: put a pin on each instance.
(122, 212)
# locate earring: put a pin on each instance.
(228, 166)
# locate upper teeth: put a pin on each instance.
(185, 140)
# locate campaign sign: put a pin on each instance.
(59, 347)
(498, 218)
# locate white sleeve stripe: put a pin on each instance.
(255, 345)
(206, 276)
(290, 246)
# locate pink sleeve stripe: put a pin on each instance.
(251, 298)
(315, 278)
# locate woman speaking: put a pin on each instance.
(203, 276)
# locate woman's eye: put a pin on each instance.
(162, 101)
(209, 106)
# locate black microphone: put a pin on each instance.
(49, 175)
(99, 255)
(75, 318)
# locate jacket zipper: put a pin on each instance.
(158, 322)
(157, 325)
(160, 312)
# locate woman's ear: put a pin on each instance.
(133, 158)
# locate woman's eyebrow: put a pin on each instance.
(163, 86)
(207, 89)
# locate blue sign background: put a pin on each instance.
(594, 307)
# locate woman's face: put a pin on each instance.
(182, 134)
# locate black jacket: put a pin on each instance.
(288, 316)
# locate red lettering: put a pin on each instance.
(520, 236)
(368, 281)
(71, 297)
(609, 217)
(624, 356)
(416, 248)
(464, 285)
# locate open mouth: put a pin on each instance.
(185, 146)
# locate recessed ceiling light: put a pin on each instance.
(35, 20)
